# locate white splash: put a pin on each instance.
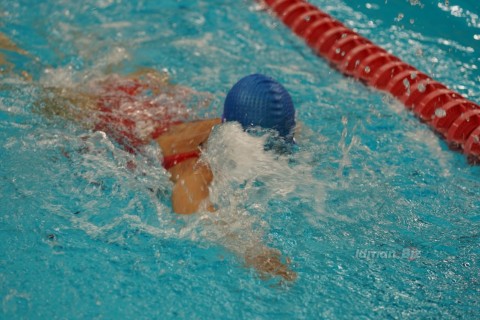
(247, 177)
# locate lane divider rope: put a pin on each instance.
(446, 111)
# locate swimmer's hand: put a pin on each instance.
(268, 263)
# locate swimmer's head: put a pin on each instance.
(259, 101)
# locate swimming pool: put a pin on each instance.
(379, 217)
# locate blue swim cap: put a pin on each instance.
(258, 100)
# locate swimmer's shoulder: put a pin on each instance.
(186, 136)
(193, 126)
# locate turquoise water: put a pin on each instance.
(379, 217)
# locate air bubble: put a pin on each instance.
(440, 113)
(367, 69)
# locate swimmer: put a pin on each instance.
(129, 110)
(143, 107)
(122, 112)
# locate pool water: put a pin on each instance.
(379, 217)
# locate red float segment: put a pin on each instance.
(338, 51)
(316, 30)
(427, 106)
(446, 114)
(291, 14)
(370, 63)
(302, 22)
(461, 128)
(402, 82)
(450, 114)
(472, 145)
(329, 38)
(383, 75)
(419, 90)
(352, 60)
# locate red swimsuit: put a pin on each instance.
(174, 159)
(130, 114)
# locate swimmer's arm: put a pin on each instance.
(191, 187)
(192, 180)
(191, 177)
(191, 191)
(186, 137)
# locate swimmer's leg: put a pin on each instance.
(68, 104)
(6, 67)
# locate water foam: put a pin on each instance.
(247, 180)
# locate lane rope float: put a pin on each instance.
(446, 111)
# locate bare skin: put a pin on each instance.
(191, 177)
(5, 66)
